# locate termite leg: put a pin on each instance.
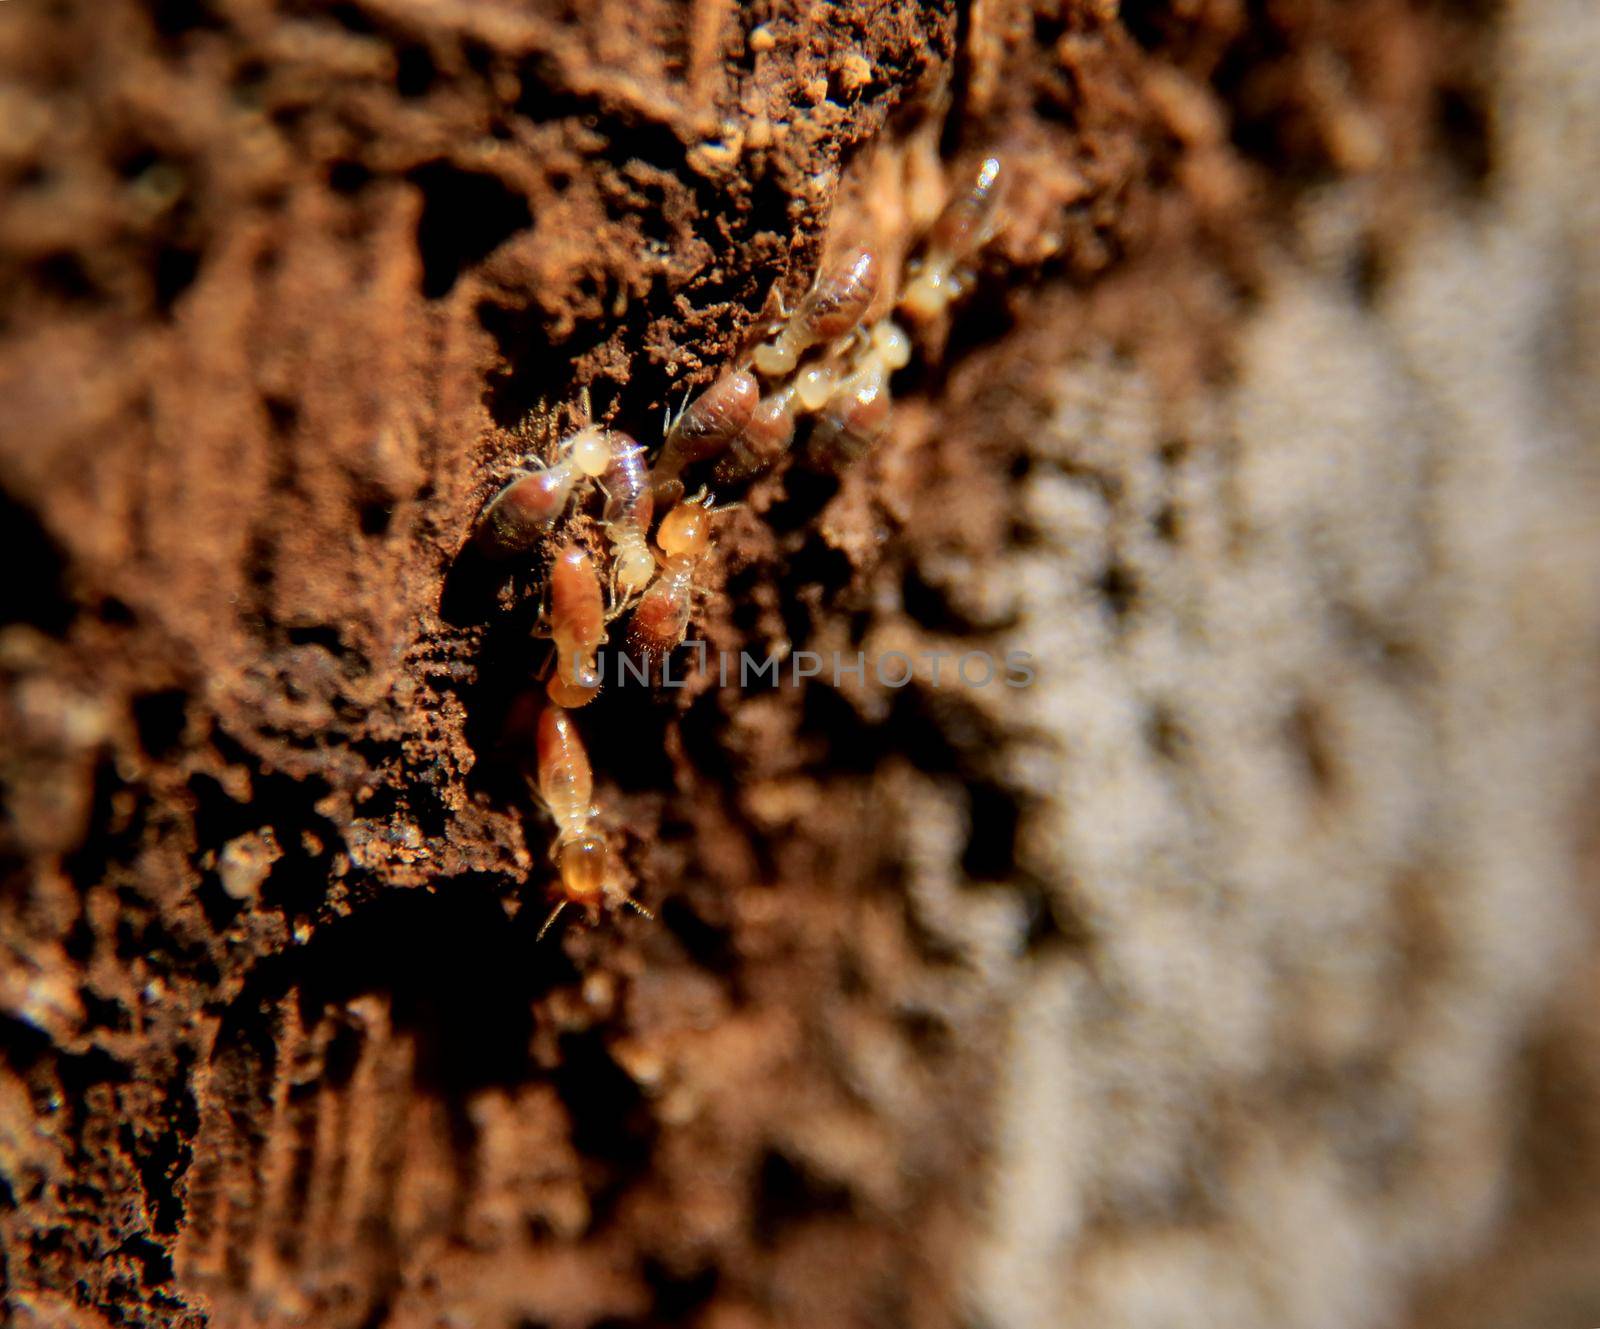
(615, 606)
(554, 914)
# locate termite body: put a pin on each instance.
(566, 786)
(766, 436)
(704, 428)
(966, 224)
(856, 416)
(578, 626)
(831, 309)
(661, 618)
(630, 501)
(524, 511)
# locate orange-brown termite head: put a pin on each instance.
(831, 309)
(704, 428)
(578, 625)
(766, 437)
(960, 231)
(686, 530)
(571, 683)
(524, 511)
(583, 862)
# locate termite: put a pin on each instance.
(566, 785)
(705, 427)
(966, 224)
(525, 510)
(629, 504)
(854, 419)
(661, 618)
(578, 625)
(832, 308)
(766, 436)
(857, 414)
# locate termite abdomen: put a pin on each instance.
(566, 782)
(521, 513)
(766, 437)
(853, 421)
(578, 625)
(629, 505)
(706, 426)
(661, 618)
(967, 219)
(839, 301)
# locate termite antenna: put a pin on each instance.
(554, 914)
(674, 416)
(617, 604)
(706, 499)
(635, 906)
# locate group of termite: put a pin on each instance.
(821, 361)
